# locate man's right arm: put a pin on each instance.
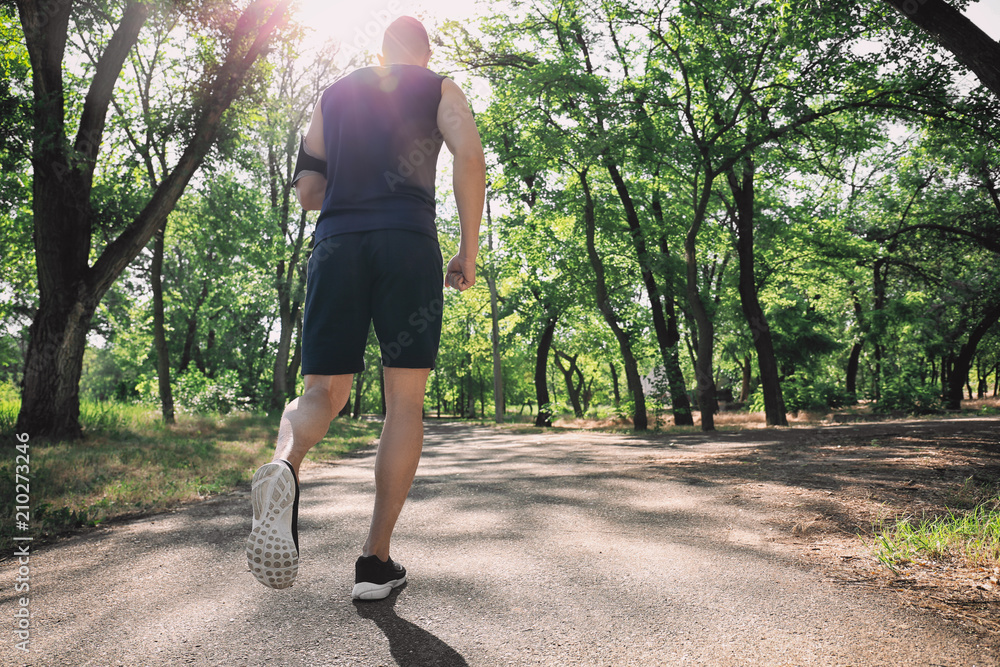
(462, 138)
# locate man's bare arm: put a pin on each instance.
(462, 138)
(311, 187)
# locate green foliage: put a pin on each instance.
(195, 392)
(807, 393)
(909, 394)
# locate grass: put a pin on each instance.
(970, 537)
(130, 463)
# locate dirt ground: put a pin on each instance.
(830, 488)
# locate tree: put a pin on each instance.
(70, 287)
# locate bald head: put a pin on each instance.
(405, 42)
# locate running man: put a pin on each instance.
(368, 164)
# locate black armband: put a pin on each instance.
(305, 163)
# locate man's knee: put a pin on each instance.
(405, 388)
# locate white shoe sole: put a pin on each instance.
(271, 552)
(369, 591)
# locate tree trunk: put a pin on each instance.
(572, 387)
(50, 398)
(491, 282)
(69, 288)
(544, 416)
(614, 382)
(704, 374)
(159, 329)
(742, 188)
(639, 419)
(293, 366)
(359, 392)
(381, 388)
(747, 377)
(963, 362)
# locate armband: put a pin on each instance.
(306, 164)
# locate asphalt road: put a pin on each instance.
(556, 549)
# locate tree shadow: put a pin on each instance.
(410, 645)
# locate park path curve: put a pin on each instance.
(522, 549)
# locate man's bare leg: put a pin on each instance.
(398, 453)
(306, 419)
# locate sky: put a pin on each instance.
(359, 25)
(986, 14)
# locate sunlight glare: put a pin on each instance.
(358, 26)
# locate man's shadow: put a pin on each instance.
(410, 645)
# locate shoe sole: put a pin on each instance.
(369, 591)
(271, 552)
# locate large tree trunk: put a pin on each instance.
(159, 329)
(50, 399)
(544, 416)
(963, 362)
(639, 418)
(952, 30)
(69, 288)
(767, 364)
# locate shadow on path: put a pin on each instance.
(410, 645)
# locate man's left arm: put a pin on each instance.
(310, 183)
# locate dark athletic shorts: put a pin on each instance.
(391, 277)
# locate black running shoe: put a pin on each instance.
(273, 545)
(374, 579)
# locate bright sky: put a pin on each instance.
(359, 25)
(986, 14)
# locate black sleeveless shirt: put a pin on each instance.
(382, 144)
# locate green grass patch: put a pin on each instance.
(130, 463)
(970, 537)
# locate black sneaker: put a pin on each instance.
(374, 579)
(273, 545)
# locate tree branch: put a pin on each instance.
(108, 69)
(254, 29)
(952, 30)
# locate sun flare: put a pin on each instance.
(359, 26)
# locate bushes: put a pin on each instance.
(805, 394)
(197, 393)
(908, 394)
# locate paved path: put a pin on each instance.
(556, 549)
